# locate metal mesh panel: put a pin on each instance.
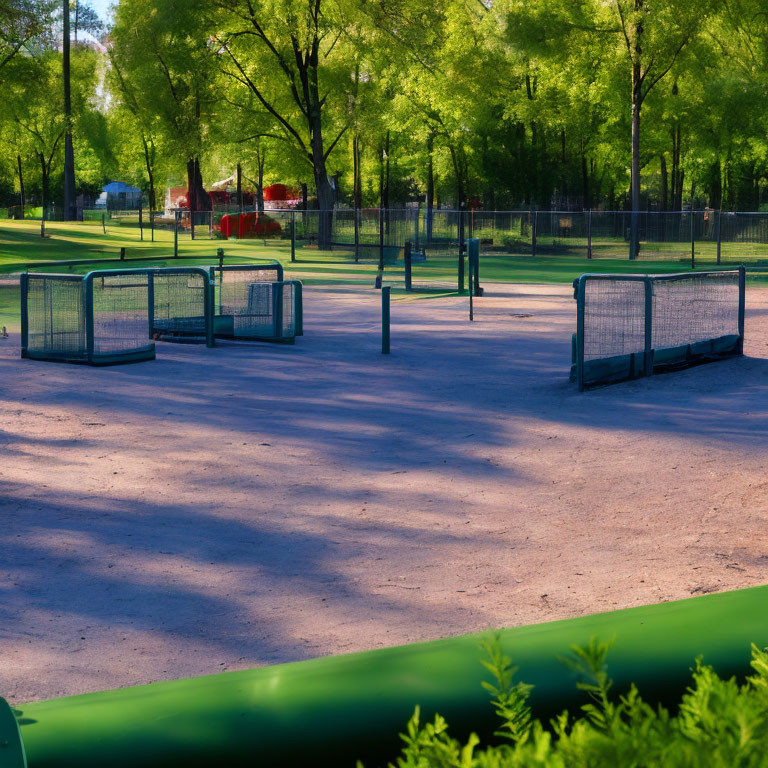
(120, 312)
(233, 285)
(614, 318)
(695, 308)
(179, 304)
(288, 291)
(56, 317)
(630, 327)
(252, 304)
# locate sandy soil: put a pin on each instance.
(246, 505)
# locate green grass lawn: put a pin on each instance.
(22, 248)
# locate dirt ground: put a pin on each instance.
(225, 508)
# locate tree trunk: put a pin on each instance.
(634, 246)
(199, 200)
(70, 212)
(22, 198)
(148, 161)
(239, 188)
(585, 193)
(44, 201)
(664, 184)
(260, 181)
(387, 217)
(430, 185)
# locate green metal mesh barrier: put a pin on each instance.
(253, 302)
(111, 316)
(636, 325)
(182, 305)
(101, 318)
(53, 317)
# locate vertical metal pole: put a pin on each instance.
(471, 287)
(380, 272)
(719, 241)
(534, 232)
(460, 276)
(408, 264)
(176, 235)
(648, 361)
(381, 239)
(24, 314)
(293, 236)
(693, 238)
(742, 303)
(103, 221)
(385, 319)
(141, 223)
(356, 212)
(151, 303)
(589, 233)
(473, 251)
(580, 294)
(210, 338)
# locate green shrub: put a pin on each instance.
(718, 724)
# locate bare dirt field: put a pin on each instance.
(225, 508)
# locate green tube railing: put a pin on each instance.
(334, 710)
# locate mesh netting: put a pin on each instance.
(55, 316)
(694, 318)
(233, 286)
(614, 318)
(120, 312)
(252, 304)
(695, 308)
(179, 304)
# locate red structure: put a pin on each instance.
(249, 225)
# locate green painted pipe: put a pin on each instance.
(333, 710)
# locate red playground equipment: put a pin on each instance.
(253, 224)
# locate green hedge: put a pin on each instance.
(718, 723)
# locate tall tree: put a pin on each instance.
(70, 211)
(292, 56)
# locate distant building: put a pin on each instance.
(117, 195)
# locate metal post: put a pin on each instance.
(589, 233)
(381, 239)
(742, 303)
(408, 264)
(103, 221)
(471, 288)
(293, 235)
(473, 251)
(356, 212)
(648, 347)
(534, 232)
(719, 241)
(176, 235)
(141, 223)
(385, 319)
(460, 276)
(693, 238)
(380, 273)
